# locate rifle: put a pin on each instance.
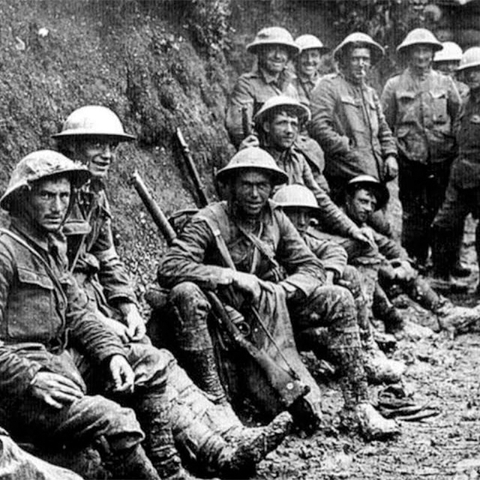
(246, 123)
(286, 383)
(192, 169)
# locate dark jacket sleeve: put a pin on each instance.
(86, 331)
(333, 256)
(305, 272)
(16, 372)
(112, 273)
(183, 261)
(389, 248)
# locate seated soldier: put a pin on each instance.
(250, 253)
(277, 125)
(43, 312)
(299, 203)
(362, 196)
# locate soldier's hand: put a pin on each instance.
(116, 327)
(248, 283)
(250, 141)
(122, 374)
(136, 328)
(390, 168)
(54, 389)
(365, 235)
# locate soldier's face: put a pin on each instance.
(421, 56)
(273, 58)
(48, 202)
(447, 68)
(282, 130)
(98, 154)
(361, 205)
(309, 62)
(299, 216)
(472, 78)
(358, 64)
(251, 190)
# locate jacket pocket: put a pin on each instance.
(352, 109)
(439, 106)
(30, 308)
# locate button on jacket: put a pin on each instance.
(421, 113)
(348, 123)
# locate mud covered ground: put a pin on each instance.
(443, 371)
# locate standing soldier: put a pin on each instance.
(463, 192)
(249, 252)
(348, 122)
(421, 106)
(307, 66)
(274, 48)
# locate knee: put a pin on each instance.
(189, 304)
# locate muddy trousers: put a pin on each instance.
(449, 221)
(195, 340)
(334, 307)
(422, 191)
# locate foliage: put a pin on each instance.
(209, 23)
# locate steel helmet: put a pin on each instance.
(273, 36)
(377, 51)
(253, 158)
(41, 165)
(451, 52)
(470, 59)
(282, 101)
(310, 42)
(419, 36)
(366, 181)
(93, 120)
(296, 196)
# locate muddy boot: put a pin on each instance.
(378, 367)
(131, 463)
(357, 413)
(455, 319)
(247, 448)
(154, 414)
(194, 345)
(384, 310)
(444, 245)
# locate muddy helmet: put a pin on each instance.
(253, 158)
(273, 36)
(310, 42)
(419, 36)
(363, 40)
(296, 196)
(93, 120)
(279, 102)
(451, 52)
(371, 183)
(40, 165)
(470, 59)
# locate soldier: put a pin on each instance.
(307, 66)
(250, 252)
(348, 122)
(278, 123)
(421, 106)
(39, 374)
(91, 135)
(300, 206)
(446, 61)
(274, 48)
(360, 200)
(463, 192)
